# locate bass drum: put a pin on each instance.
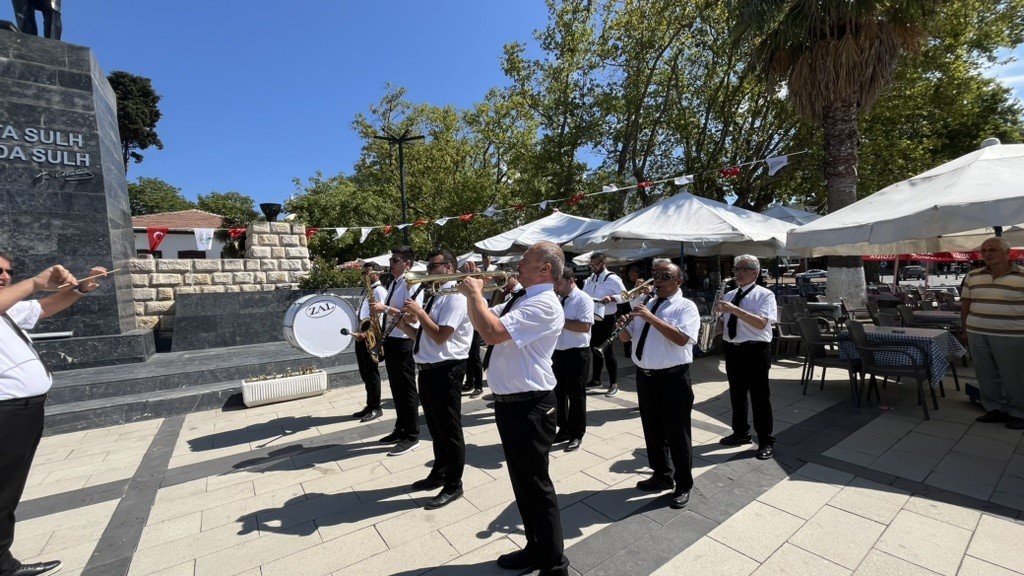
(320, 324)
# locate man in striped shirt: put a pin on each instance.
(992, 313)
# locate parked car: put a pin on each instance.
(908, 272)
(814, 273)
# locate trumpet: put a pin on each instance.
(628, 295)
(435, 281)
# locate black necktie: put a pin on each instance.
(563, 301)
(391, 292)
(647, 328)
(733, 320)
(508, 308)
(419, 333)
(28, 342)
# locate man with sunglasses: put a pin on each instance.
(398, 357)
(441, 347)
(369, 371)
(604, 286)
(747, 312)
(24, 382)
(663, 331)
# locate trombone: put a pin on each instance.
(435, 281)
(628, 295)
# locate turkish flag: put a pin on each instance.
(236, 233)
(731, 172)
(466, 217)
(310, 232)
(156, 236)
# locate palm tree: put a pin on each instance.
(835, 57)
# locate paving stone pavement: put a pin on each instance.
(302, 488)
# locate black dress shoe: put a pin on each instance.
(1015, 423)
(655, 484)
(735, 440)
(594, 384)
(574, 445)
(363, 412)
(765, 451)
(476, 393)
(391, 438)
(444, 498)
(371, 415)
(560, 437)
(518, 560)
(429, 483)
(467, 387)
(993, 416)
(679, 499)
(37, 569)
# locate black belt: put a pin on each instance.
(437, 365)
(24, 401)
(663, 371)
(747, 343)
(520, 396)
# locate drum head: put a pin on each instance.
(320, 324)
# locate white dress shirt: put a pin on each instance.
(659, 352)
(578, 306)
(606, 283)
(22, 374)
(523, 363)
(448, 310)
(379, 294)
(396, 296)
(759, 302)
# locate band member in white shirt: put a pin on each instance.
(398, 357)
(441, 349)
(522, 333)
(663, 333)
(571, 359)
(369, 370)
(746, 340)
(604, 286)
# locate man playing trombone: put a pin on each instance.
(441, 347)
(571, 360)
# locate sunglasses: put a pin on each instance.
(432, 265)
(664, 276)
(398, 260)
(745, 268)
(8, 270)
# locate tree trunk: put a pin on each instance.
(845, 273)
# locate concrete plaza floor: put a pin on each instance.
(302, 488)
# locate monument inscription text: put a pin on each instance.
(43, 146)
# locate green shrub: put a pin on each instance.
(325, 274)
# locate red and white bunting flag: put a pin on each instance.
(731, 172)
(156, 236)
(776, 163)
(310, 232)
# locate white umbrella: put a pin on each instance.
(791, 215)
(704, 226)
(619, 256)
(556, 227)
(951, 207)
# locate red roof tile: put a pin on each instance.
(180, 220)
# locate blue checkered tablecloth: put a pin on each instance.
(940, 344)
(937, 317)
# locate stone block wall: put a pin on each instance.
(277, 257)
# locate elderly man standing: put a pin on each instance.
(522, 333)
(992, 314)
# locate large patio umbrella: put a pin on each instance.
(791, 215)
(556, 227)
(702, 226)
(951, 207)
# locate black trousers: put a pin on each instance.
(570, 367)
(402, 379)
(441, 394)
(666, 401)
(600, 333)
(475, 363)
(746, 366)
(369, 371)
(21, 427)
(527, 430)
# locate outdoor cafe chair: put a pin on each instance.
(857, 314)
(911, 369)
(818, 352)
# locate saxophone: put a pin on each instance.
(371, 326)
(709, 322)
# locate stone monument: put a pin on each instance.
(63, 193)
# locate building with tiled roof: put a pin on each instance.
(180, 241)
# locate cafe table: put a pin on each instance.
(940, 346)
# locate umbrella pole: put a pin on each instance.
(895, 272)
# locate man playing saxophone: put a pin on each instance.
(369, 371)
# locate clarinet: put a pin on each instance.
(600, 350)
(391, 327)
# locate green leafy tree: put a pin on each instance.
(236, 208)
(153, 195)
(137, 114)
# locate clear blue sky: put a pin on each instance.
(257, 97)
(256, 93)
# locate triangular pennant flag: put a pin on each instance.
(363, 233)
(204, 238)
(388, 229)
(421, 222)
(466, 217)
(543, 205)
(644, 185)
(442, 221)
(519, 207)
(730, 172)
(609, 188)
(236, 233)
(490, 211)
(683, 180)
(402, 226)
(311, 231)
(776, 163)
(339, 232)
(156, 236)
(576, 199)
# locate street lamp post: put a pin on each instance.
(400, 141)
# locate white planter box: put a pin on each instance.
(281, 389)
